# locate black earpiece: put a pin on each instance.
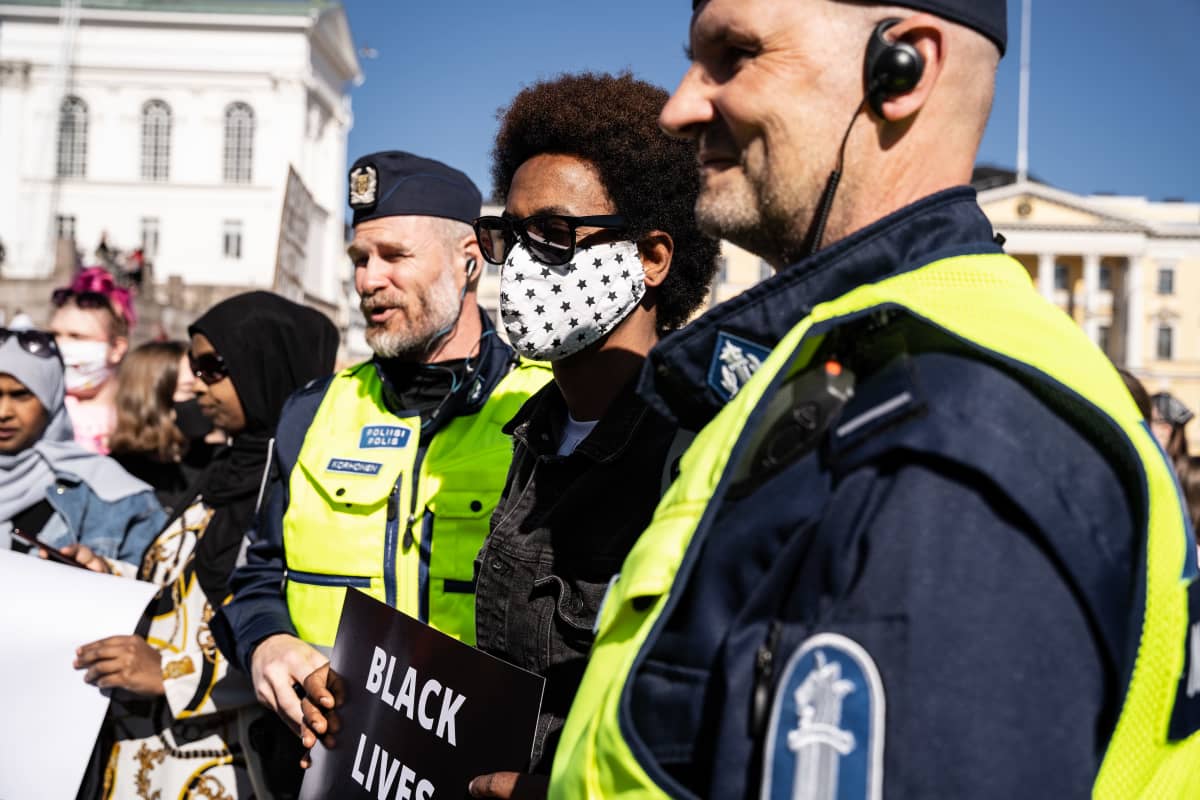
(471, 265)
(892, 68)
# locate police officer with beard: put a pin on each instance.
(374, 464)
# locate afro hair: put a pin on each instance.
(612, 123)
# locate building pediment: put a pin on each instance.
(332, 35)
(1035, 206)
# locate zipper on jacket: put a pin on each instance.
(764, 675)
(410, 538)
(391, 533)
(423, 579)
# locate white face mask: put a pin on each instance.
(553, 312)
(87, 364)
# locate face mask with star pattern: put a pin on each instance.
(554, 312)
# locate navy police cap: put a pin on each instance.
(399, 184)
(989, 17)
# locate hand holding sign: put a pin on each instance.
(277, 664)
(122, 662)
(324, 691)
(407, 712)
(511, 786)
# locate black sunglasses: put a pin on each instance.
(549, 237)
(36, 343)
(59, 298)
(209, 367)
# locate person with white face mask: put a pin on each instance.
(92, 322)
(600, 256)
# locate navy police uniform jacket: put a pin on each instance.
(259, 608)
(954, 526)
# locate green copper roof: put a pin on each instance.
(283, 7)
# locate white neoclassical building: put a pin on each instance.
(210, 133)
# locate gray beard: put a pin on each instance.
(763, 225)
(440, 309)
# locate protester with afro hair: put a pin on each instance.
(600, 256)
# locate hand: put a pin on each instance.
(324, 691)
(122, 662)
(82, 555)
(278, 663)
(511, 786)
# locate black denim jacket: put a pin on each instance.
(560, 532)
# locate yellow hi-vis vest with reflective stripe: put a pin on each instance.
(988, 301)
(366, 511)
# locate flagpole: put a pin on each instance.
(1023, 118)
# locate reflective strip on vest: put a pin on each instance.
(988, 301)
(356, 518)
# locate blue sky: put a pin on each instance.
(1114, 103)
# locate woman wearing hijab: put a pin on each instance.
(177, 727)
(50, 487)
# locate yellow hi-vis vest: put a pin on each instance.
(366, 511)
(988, 301)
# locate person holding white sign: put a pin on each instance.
(51, 488)
(180, 717)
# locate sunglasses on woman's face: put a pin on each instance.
(36, 343)
(209, 367)
(550, 238)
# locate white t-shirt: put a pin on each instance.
(574, 432)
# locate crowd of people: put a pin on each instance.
(885, 525)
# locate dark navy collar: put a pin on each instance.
(468, 396)
(692, 373)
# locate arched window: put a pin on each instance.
(72, 138)
(156, 141)
(239, 143)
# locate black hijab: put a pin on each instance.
(272, 347)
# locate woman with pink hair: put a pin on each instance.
(92, 321)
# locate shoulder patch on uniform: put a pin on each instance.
(825, 740)
(734, 362)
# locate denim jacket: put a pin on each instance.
(559, 534)
(120, 529)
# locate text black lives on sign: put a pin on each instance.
(419, 714)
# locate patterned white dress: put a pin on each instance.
(188, 744)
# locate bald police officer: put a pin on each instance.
(385, 474)
(928, 548)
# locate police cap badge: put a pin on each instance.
(364, 184)
(397, 184)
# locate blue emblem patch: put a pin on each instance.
(826, 736)
(375, 436)
(354, 467)
(734, 361)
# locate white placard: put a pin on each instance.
(52, 716)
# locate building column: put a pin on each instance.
(1045, 275)
(1135, 319)
(1091, 288)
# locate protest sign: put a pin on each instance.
(420, 714)
(51, 716)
